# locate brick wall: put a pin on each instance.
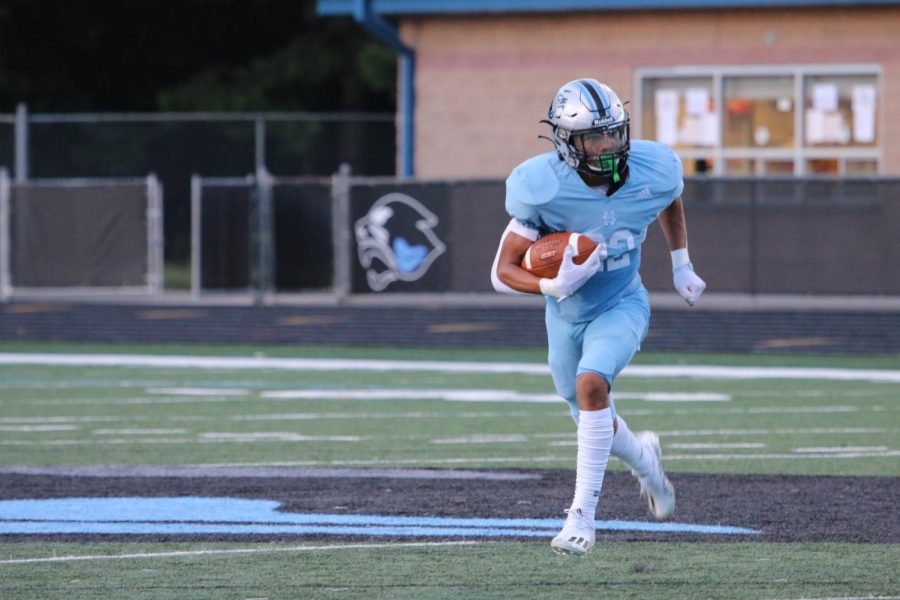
(483, 82)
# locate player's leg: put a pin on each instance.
(610, 343)
(595, 434)
(564, 352)
(601, 361)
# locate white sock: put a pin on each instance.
(595, 436)
(626, 447)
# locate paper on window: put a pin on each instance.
(709, 130)
(666, 101)
(697, 100)
(836, 130)
(667, 129)
(815, 126)
(825, 96)
(863, 103)
(666, 116)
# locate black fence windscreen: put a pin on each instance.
(755, 236)
(83, 236)
(226, 226)
(304, 247)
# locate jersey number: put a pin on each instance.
(620, 237)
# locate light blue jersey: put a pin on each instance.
(545, 194)
(601, 326)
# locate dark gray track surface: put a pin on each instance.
(783, 508)
(697, 330)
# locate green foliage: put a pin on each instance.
(92, 55)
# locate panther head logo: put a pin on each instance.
(396, 240)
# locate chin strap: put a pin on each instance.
(620, 176)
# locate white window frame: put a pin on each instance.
(799, 154)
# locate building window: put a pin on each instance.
(759, 112)
(765, 120)
(841, 111)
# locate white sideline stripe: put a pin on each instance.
(780, 431)
(190, 553)
(176, 391)
(59, 419)
(752, 456)
(846, 598)
(840, 449)
(483, 439)
(382, 415)
(140, 432)
(715, 446)
(457, 395)
(132, 401)
(36, 428)
(784, 431)
(203, 438)
(328, 364)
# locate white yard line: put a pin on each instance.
(324, 364)
(192, 553)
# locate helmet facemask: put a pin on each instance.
(601, 152)
(591, 129)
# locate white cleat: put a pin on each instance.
(577, 535)
(655, 486)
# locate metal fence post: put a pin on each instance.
(5, 286)
(196, 233)
(154, 235)
(266, 254)
(340, 222)
(21, 149)
(259, 140)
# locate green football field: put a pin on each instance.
(435, 409)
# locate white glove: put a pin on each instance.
(571, 276)
(688, 285)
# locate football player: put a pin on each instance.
(598, 182)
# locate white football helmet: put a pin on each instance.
(590, 128)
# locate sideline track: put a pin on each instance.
(327, 364)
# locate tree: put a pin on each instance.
(143, 55)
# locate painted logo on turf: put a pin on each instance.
(192, 515)
(396, 240)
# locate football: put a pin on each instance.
(545, 255)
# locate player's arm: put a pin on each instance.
(671, 219)
(507, 275)
(688, 285)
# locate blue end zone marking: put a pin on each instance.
(196, 515)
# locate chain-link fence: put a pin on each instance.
(176, 145)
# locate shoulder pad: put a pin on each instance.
(535, 181)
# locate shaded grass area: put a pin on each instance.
(489, 571)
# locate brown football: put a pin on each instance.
(545, 255)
